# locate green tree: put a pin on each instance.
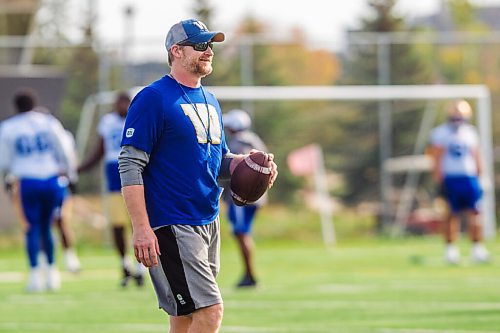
(15, 20)
(361, 163)
(80, 61)
(463, 14)
(282, 125)
(203, 11)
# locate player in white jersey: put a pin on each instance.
(63, 212)
(110, 130)
(33, 151)
(457, 167)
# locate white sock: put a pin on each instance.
(140, 269)
(126, 263)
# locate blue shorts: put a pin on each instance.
(64, 192)
(241, 218)
(113, 177)
(462, 193)
(39, 198)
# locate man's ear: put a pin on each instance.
(176, 50)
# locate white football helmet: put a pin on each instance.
(237, 120)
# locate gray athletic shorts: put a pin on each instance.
(184, 279)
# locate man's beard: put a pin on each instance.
(197, 67)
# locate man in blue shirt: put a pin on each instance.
(173, 152)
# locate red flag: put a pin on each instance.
(304, 161)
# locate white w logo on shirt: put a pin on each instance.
(200, 118)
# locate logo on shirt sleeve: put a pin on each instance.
(130, 132)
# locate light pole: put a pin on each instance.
(128, 43)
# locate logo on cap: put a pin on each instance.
(200, 25)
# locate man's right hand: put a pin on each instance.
(146, 247)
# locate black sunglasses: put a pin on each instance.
(200, 47)
(455, 119)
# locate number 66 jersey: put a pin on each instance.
(33, 145)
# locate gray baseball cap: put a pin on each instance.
(192, 31)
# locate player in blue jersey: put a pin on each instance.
(242, 141)
(34, 152)
(457, 167)
(110, 129)
(173, 152)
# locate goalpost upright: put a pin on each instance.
(479, 93)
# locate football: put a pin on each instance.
(250, 178)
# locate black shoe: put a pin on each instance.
(126, 277)
(247, 281)
(139, 279)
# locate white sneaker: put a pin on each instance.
(71, 261)
(479, 253)
(452, 254)
(35, 281)
(53, 278)
(42, 260)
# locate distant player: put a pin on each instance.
(242, 140)
(34, 152)
(110, 129)
(63, 212)
(454, 147)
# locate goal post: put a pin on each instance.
(479, 93)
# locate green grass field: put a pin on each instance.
(381, 286)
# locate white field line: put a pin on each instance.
(321, 304)
(136, 327)
(296, 328)
(98, 327)
(413, 330)
(8, 277)
(23, 298)
(95, 274)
